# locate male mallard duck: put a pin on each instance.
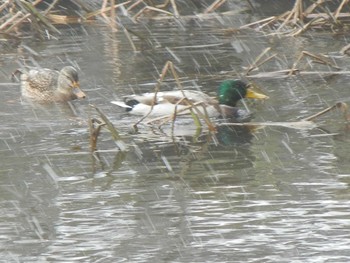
(165, 103)
(48, 85)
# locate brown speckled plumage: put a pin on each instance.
(48, 85)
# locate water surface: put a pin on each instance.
(273, 195)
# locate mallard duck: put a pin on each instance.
(48, 85)
(165, 103)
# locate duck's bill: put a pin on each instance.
(77, 91)
(80, 94)
(255, 95)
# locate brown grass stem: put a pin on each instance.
(256, 63)
(339, 105)
(214, 6)
(342, 4)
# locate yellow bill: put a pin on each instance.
(255, 95)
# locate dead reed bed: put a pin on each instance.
(36, 17)
(299, 19)
(16, 16)
(303, 65)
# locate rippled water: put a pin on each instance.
(273, 195)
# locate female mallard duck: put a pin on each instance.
(166, 103)
(48, 85)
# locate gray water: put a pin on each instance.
(273, 195)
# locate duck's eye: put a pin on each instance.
(70, 78)
(74, 84)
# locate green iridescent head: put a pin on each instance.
(231, 91)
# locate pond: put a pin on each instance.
(267, 194)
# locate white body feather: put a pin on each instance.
(170, 101)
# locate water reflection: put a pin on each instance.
(185, 155)
(234, 136)
(111, 51)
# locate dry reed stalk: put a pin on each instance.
(94, 132)
(327, 15)
(115, 134)
(297, 15)
(146, 8)
(265, 20)
(285, 73)
(82, 5)
(298, 11)
(293, 16)
(342, 4)
(305, 27)
(156, 90)
(173, 122)
(299, 125)
(205, 116)
(317, 58)
(214, 6)
(169, 66)
(4, 18)
(342, 106)
(176, 12)
(257, 62)
(130, 39)
(4, 5)
(345, 49)
(51, 6)
(180, 112)
(112, 18)
(11, 20)
(103, 10)
(32, 10)
(132, 6)
(36, 2)
(286, 18)
(28, 9)
(17, 23)
(95, 126)
(313, 6)
(63, 19)
(164, 5)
